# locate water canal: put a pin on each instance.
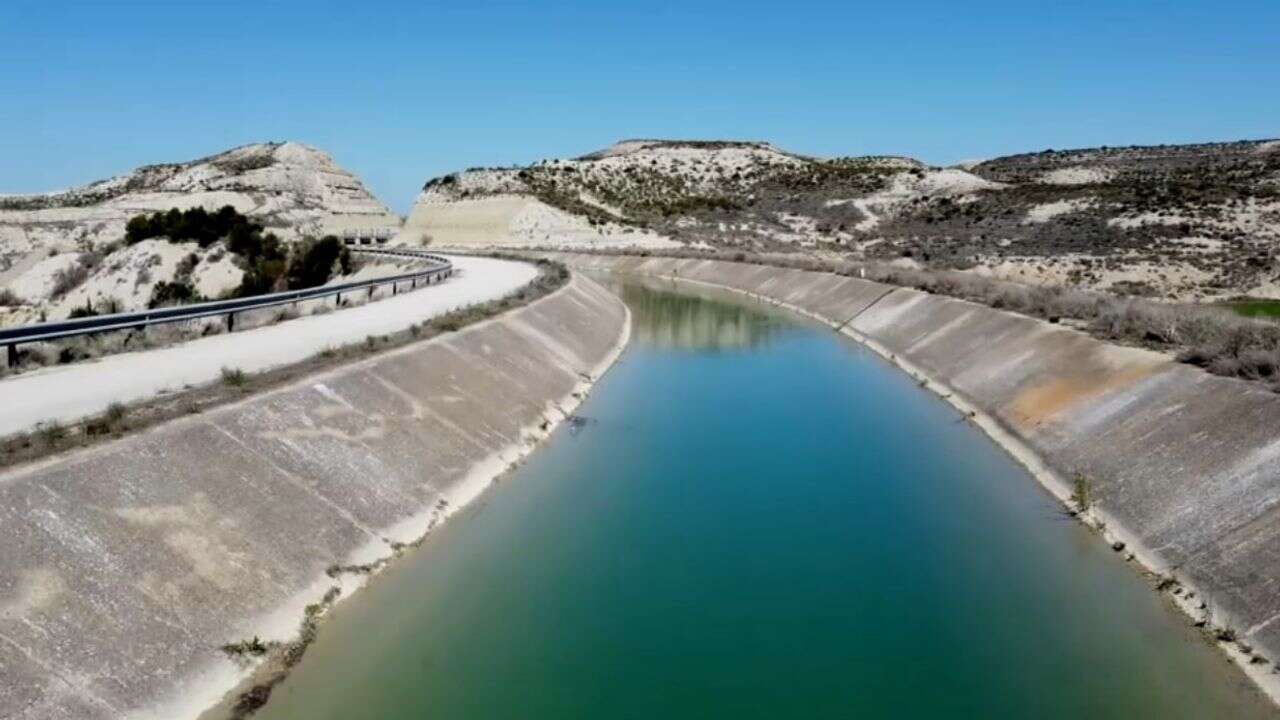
(760, 519)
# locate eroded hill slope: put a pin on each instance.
(1192, 221)
(59, 250)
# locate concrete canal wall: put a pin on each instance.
(127, 565)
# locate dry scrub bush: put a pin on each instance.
(68, 279)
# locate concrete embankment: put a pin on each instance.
(1184, 467)
(126, 566)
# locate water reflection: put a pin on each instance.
(678, 320)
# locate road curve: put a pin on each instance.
(71, 392)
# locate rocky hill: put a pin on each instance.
(1192, 222)
(60, 250)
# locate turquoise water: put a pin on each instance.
(760, 520)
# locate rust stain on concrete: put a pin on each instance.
(1045, 400)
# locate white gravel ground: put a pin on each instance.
(72, 392)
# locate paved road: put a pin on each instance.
(71, 392)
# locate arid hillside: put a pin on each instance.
(61, 251)
(1186, 222)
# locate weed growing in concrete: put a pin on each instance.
(246, 648)
(254, 698)
(1081, 492)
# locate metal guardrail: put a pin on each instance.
(439, 269)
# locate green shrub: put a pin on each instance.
(186, 266)
(194, 225)
(234, 377)
(179, 292)
(315, 262)
(84, 311)
(249, 242)
(262, 277)
(263, 254)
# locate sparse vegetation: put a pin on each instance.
(1168, 222)
(179, 292)
(83, 311)
(51, 433)
(291, 654)
(234, 377)
(68, 279)
(110, 422)
(186, 266)
(262, 255)
(268, 265)
(246, 648)
(1081, 492)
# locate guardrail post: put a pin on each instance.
(231, 322)
(395, 289)
(371, 292)
(13, 355)
(338, 302)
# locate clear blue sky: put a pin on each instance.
(401, 92)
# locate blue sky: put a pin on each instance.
(401, 92)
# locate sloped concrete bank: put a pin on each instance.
(1183, 467)
(125, 567)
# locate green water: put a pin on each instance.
(761, 520)
(1259, 308)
